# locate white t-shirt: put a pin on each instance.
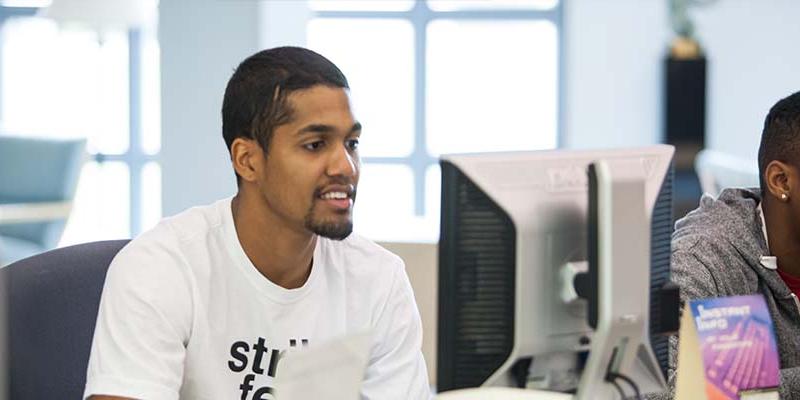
(185, 314)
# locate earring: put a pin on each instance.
(784, 197)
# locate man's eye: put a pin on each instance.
(313, 146)
(352, 144)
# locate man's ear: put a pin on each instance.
(781, 179)
(247, 158)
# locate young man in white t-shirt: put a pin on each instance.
(203, 305)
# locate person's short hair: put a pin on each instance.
(255, 100)
(780, 139)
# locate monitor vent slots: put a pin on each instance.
(660, 250)
(483, 297)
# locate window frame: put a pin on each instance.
(135, 158)
(419, 16)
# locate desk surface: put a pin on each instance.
(33, 212)
(502, 394)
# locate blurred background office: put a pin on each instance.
(138, 84)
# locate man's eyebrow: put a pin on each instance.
(315, 128)
(323, 128)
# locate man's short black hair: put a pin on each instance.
(780, 139)
(255, 98)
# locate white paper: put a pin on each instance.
(332, 370)
(759, 395)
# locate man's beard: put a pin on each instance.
(336, 230)
(330, 230)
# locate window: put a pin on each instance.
(73, 83)
(435, 77)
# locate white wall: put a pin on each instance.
(283, 23)
(202, 42)
(754, 62)
(614, 51)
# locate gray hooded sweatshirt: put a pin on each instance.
(716, 251)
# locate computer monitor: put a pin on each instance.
(515, 231)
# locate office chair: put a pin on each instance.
(53, 300)
(38, 179)
(717, 171)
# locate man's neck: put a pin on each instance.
(783, 242)
(282, 254)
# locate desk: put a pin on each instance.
(21, 213)
(502, 394)
(24, 213)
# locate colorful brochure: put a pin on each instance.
(727, 350)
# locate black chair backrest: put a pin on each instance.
(52, 309)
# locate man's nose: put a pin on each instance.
(343, 163)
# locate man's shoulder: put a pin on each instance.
(700, 242)
(194, 222)
(711, 246)
(730, 221)
(170, 240)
